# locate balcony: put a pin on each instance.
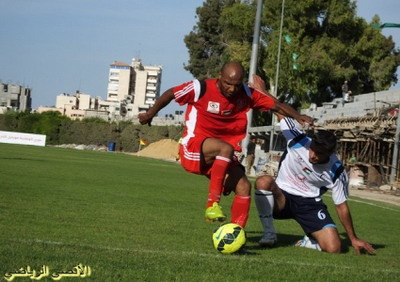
(112, 88)
(152, 80)
(112, 97)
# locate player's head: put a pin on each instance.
(322, 146)
(230, 80)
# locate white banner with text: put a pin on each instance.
(22, 138)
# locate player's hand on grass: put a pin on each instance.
(360, 245)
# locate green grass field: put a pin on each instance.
(139, 219)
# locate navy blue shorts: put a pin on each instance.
(311, 214)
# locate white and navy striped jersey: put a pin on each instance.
(299, 177)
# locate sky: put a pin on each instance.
(55, 46)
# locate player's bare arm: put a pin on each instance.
(358, 244)
(259, 84)
(281, 109)
(286, 110)
(163, 101)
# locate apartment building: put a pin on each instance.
(76, 106)
(131, 89)
(120, 82)
(14, 97)
(136, 85)
(79, 101)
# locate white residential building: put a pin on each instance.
(136, 85)
(119, 82)
(131, 89)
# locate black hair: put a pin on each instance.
(325, 139)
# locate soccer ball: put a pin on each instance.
(229, 238)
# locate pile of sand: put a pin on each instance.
(166, 149)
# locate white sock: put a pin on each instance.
(265, 205)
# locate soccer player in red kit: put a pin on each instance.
(215, 124)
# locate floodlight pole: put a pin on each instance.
(271, 137)
(253, 66)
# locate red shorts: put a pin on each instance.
(192, 160)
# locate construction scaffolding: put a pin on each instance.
(368, 143)
(368, 131)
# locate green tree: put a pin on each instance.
(47, 123)
(327, 44)
(236, 25)
(333, 45)
(50, 124)
(89, 131)
(205, 41)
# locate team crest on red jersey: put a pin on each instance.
(213, 107)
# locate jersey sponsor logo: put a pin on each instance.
(213, 107)
(298, 182)
(301, 178)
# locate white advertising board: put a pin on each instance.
(22, 138)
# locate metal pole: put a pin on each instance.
(395, 150)
(396, 137)
(271, 138)
(253, 66)
(256, 41)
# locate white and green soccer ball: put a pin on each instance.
(229, 238)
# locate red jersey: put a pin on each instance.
(210, 114)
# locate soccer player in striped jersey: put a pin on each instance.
(308, 168)
(215, 124)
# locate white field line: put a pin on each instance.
(192, 253)
(368, 203)
(375, 205)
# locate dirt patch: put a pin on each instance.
(165, 149)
